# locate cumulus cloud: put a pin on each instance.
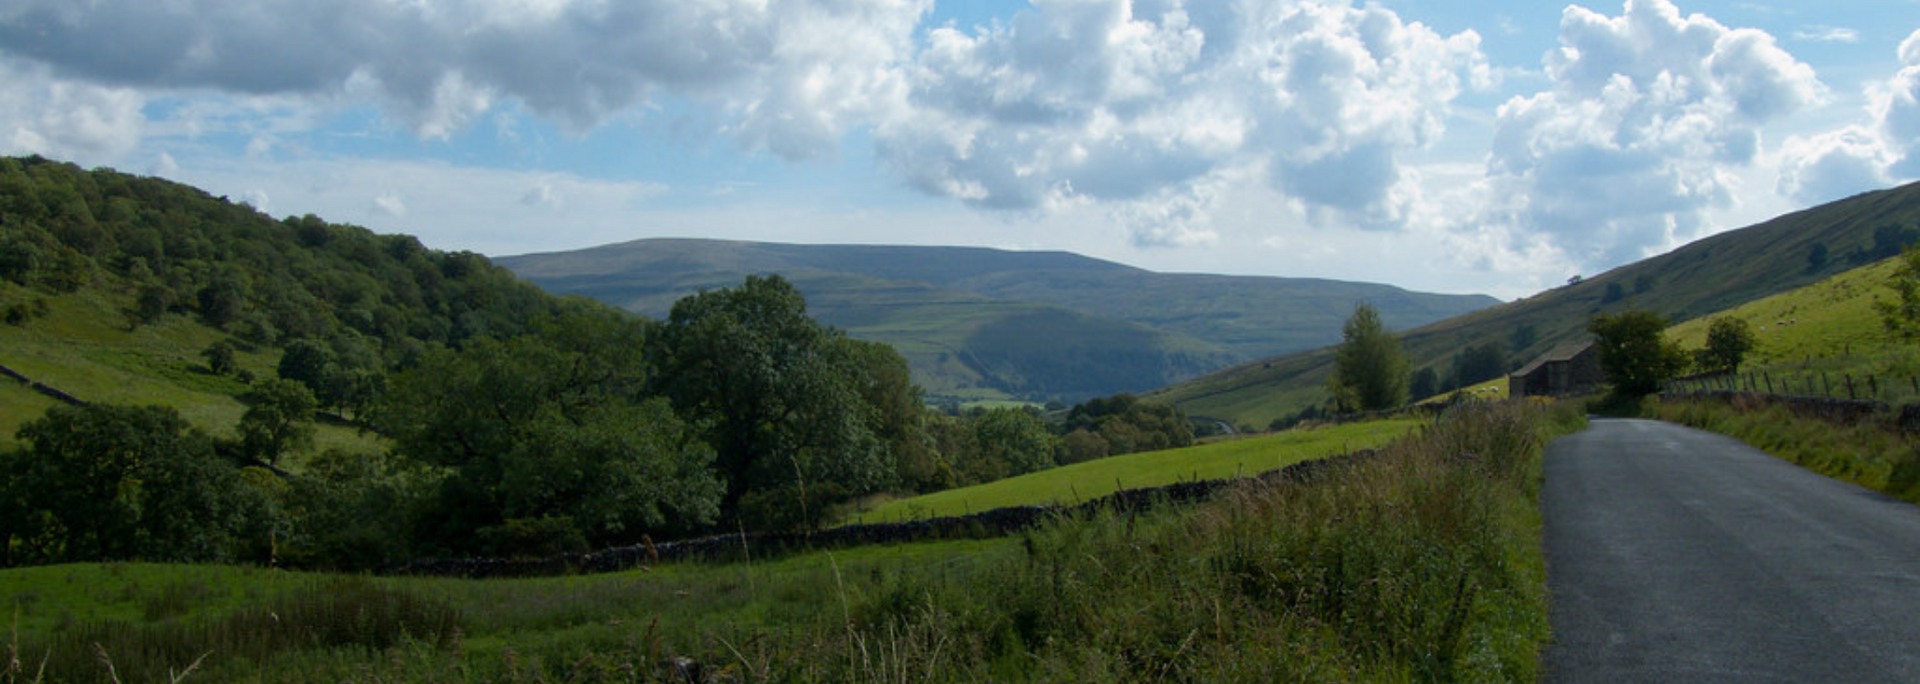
(788, 74)
(43, 114)
(1144, 106)
(1896, 109)
(1884, 149)
(1632, 145)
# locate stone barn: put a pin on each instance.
(1571, 368)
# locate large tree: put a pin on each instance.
(1635, 352)
(549, 429)
(789, 404)
(102, 482)
(1370, 371)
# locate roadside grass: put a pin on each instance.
(1871, 453)
(1422, 563)
(1072, 484)
(84, 347)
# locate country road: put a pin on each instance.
(1675, 555)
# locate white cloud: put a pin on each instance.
(1833, 165)
(1634, 144)
(1822, 33)
(1882, 150)
(787, 75)
(1144, 105)
(447, 206)
(1896, 109)
(389, 204)
(46, 115)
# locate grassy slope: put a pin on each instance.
(1828, 327)
(1092, 479)
(1413, 566)
(83, 347)
(1696, 280)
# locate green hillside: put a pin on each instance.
(1698, 279)
(1821, 335)
(83, 347)
(984, 324)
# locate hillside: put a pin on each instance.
(114, 285)
(1695, 280)
(1821, 335)
(982, 323)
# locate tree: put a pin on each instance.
(1614, 293)
(1479, 363)
(1902, 315)
(279, 422)
(1817, 256)
(219, 356)
(1015, 437)
(780, 393)
(1635, 352)
(1426, 383)
(549, 425)
(1370, 371)
(102, 482)
(1728, 341)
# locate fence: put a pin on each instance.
(1824, 385)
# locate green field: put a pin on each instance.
(1812, 339)
(1414, 566)
(83, 346)
(1079, 482)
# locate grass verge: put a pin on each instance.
(1871, 453)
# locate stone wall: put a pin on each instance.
(994, 523)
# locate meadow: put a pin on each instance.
(83, 346)
(1072, 484)
(1419, 564)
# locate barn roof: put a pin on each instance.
(1563, 352)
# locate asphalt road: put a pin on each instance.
(1675, 555)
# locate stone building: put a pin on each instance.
(1571, 368)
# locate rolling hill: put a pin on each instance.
(1695, 280)
(980, 323)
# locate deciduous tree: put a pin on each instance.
(1370, 371)
(1635, 352)
(1728, 341)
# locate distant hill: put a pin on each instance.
(981, 323)
(1695, 280)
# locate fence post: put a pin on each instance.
(1850, 396)
(1828, 383)
(1769, 379)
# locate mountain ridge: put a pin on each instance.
(933, 303)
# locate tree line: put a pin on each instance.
(514, 422)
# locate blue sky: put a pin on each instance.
(1477, 146)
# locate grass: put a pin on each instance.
(1421, 564)
(1872, 453)
(1811, 340)
(1092, 479)
(1712, 274)
(83, 347)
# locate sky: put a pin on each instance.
(1466, 146)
